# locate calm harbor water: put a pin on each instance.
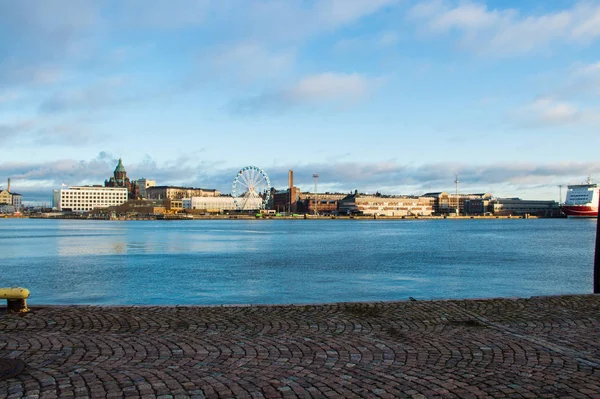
(293, 261)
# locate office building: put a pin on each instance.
(86, 198)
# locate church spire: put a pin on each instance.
(120, 167)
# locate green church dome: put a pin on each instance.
(120, 167)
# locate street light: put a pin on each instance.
(457, 205)
(316, 179)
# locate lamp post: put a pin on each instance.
(597, 256)
(316, 179)
(457, 204)
(560, 186)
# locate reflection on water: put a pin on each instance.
(214, 262)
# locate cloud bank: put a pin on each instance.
(37, 180)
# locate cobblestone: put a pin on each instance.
(515, 348)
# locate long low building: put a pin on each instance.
(87, 198)
(512, 206)
(395, 206)
(517, 206)
(174, 192)
(220, 204)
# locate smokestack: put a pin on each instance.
(8, 189)
(291, 179)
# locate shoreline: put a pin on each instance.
(250, 217)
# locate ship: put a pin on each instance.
(582, 200)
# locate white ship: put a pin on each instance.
(582, 200)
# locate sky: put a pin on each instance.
(395, 96)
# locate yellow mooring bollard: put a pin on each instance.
(16, 298)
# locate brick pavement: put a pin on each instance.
(502, 348)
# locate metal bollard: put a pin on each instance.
(16, 298)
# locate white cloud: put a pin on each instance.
(507, 32)
(380, 41)
(37, 179)
(319, 90)
(388, 39)
(250, 60)
(164, 15)
(550, 112)
(330, 86)
(103, 92)
(9, 96)
(585, 79)
(300, 19)
(334, 13)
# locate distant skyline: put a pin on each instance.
(395, 96)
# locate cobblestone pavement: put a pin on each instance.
(502, 348)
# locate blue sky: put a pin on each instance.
(395, 96)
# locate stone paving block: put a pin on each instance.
(515, 348)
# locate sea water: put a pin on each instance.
(293, 261)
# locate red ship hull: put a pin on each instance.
(575, 211)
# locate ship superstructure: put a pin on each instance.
(582, 200)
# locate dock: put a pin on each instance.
(540, 347)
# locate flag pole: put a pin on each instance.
(597, 255)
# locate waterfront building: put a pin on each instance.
(174, 205)
(517, 206)
(393, 205)
(144, 184)
(216, 204)
(87, 198)
(9, 199)
(135, 208)
(384, 205)
(286, 200)
(56, 199)
(174, 192)
(478, 206)
(5, 197)
(347, 205)
(326, 202)
(444, 203)
(17, 201)
(120, 179)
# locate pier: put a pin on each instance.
(541, 347)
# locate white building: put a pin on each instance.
(219, 204)
(143, 184)
(86, 198)
(17, 201)
(56, 199)
(393, 206)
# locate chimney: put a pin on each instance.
(291, 179)
(8, 189)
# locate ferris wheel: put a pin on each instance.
(251, 188)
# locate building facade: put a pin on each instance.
(144, 184)
(173, 192)
(393, 205)
(87, 198)
(444, 203)
(518, 207)
(17, 201)
(5, 197)
(218, 204)
(377, 205)
(8, 199)
(286, 200)
(478, 206)
(326, 203)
